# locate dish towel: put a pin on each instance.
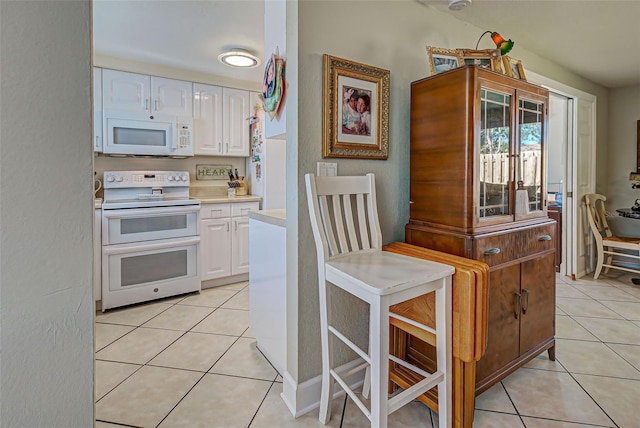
(522, 202)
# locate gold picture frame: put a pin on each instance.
(513, 68)
(485, 58)
(441, 59)
(355, 110)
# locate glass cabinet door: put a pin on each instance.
(495, 139)
(529, 168)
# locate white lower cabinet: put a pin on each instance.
(224, 239)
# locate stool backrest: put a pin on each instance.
(344, 214)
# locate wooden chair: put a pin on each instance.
(348, 241)
(607, 244)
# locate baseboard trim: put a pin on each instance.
(305, 397)
(225, 281)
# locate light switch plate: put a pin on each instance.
(327, 168)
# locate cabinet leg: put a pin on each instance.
(552, 353)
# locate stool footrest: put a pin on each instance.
(351, 394)
(350, 344)
(416, 390)
(412, 322)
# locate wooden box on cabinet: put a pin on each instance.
(478, 190)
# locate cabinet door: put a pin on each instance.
(495, 175)
(235, 105)
(207, 119)
(125, 91)
(97, 109)
(531, 113)
(504, 321)
(538, 302)
(215, 248)
(240, 244)
(172, 97)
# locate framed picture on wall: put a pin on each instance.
(355, 110)
(443, 59)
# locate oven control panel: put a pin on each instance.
(129, 179)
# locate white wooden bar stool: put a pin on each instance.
(348, 240)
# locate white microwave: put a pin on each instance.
(148, 137)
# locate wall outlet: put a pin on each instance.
(327, 168)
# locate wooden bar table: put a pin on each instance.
(470, 285)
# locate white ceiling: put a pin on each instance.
(597, 39)
(184, 34)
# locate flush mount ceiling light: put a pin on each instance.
(239, 58)
(458, 4)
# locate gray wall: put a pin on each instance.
(46, 214)
(390, 35)
(621, 157)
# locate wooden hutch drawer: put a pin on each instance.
(498, 249)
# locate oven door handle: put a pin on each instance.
(145, 212)
(149, 246)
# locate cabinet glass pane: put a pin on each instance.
(529, 155)
(495, 135)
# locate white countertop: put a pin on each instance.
(275, 217)
(224, 199)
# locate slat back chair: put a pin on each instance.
(348, 241)
(609, 245)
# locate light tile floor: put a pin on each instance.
(190, 361)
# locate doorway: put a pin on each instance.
(559, 172)
(580, 171)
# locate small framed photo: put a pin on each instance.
(355, 110)
(443, 59)
(513, 68)
(486, 58)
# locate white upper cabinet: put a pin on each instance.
(144, 94)
(235, 126)
(207, 119)
(97, 109)
(220, 121)
(171, 97)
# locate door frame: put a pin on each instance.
(581, 145)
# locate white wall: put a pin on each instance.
(390, 35)
(624, 112)
(46, 214)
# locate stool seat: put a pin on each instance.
(346, 231)
(383, 273)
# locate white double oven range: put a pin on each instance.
(150, 237)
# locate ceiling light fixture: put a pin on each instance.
(239, 58)
(458, 4)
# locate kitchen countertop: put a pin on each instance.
(207, 200)
(223, 199)
(275, 217)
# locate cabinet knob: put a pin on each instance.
(545, 238)
(491, 251)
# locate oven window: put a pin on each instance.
(140, 137)
(137, 270)
(153, 224)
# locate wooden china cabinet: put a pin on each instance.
(478, 191)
